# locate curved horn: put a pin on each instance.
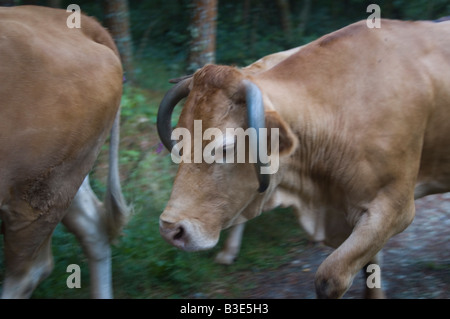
(256, 120)
(168, 103)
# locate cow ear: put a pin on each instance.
(287, 140)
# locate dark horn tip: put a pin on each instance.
(181, 78)
(168, 103)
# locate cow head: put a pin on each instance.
(208, 196)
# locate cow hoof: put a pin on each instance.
(225, 258)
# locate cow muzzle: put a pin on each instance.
(186, 234)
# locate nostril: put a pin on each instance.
(172, 232)
(179, 234)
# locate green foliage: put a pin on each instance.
(133, 102)
(244, 34)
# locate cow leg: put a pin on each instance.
(232, 246)
(384, 218)
(22, 274)
(27, 249)
(86, 220)
(373, 293)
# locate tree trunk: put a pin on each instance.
(304, 15)
(286, 18)
(203, 34)
(429, 10)
(54, 3)
(116, 20)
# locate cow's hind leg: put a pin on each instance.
(86, 220)
(27, 249)
(23, 274)
(383, 218)
(232, 246)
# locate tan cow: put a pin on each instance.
(59, 97)
(363, 128)
(232, 245)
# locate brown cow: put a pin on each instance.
(232, 245)
(59, 97)
(362, 118)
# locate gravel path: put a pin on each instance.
(416, 262)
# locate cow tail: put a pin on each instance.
(118, 212)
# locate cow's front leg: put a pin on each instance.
(232, 246)
(384, 218)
